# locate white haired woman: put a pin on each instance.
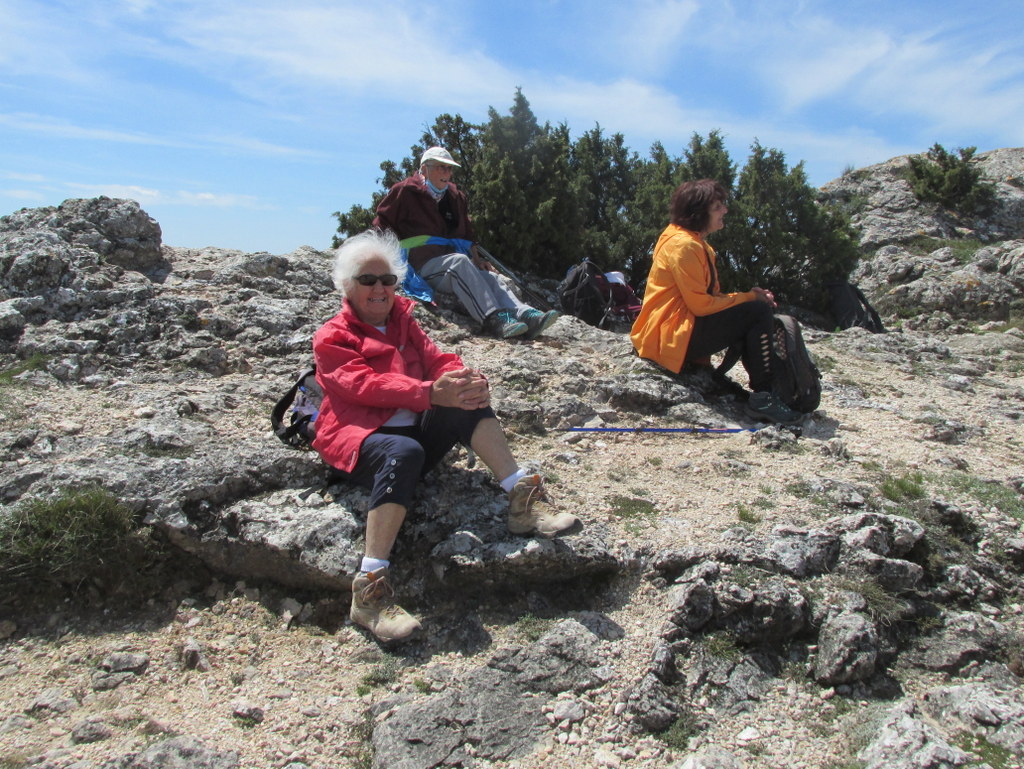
(393, 406)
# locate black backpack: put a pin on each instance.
(795, 378)
(301, 404)
(580, 293)
(851, 308)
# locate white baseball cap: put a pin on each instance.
(438, 155)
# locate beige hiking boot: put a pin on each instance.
(374, 607)
(530, 510)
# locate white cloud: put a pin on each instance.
(20, 177)
(41, 125)
(648, 35)
(147, 196)
(337, 50)
(33, 195)
(53, 127)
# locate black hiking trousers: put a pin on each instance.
(750, 324)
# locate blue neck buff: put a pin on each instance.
(437, 191)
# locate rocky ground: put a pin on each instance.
(277, 691)
(845, 595)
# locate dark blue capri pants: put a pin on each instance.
(393, 459)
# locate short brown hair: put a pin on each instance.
(691, 203)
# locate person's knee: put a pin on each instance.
(460, 262)
(406, 461)
(760, 311)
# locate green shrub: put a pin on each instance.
(883, 606)
(34, 362)
(951, 181)
(11, 401)
(65, 540)
(963, 249)
(723, 646)
(682, 730)
(746, 515)
(987, 493)
(383, 673)
(635, 512)
(995, 756)
(532, 627)
(906, 488)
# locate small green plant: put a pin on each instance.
(963, 249)
(423, 687)
(682, 730)
(906, 488)
(655, 461)
(383, 673)
(66, 539)
(16, 760)
(246, 722)
(169, 452)
(35, 362)
(883, 606)
(532, 627)
(988, 493)
(634, 511)
(362, 734)
(11, 404)
(993, 755)
(630, 507)
(723, 646)
(746, 515)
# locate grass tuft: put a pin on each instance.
(906, 488)
(65, 540)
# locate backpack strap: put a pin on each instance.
(288, 433)
(876, 319)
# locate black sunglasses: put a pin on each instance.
(367, 279)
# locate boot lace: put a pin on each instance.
(378, 591)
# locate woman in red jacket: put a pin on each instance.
(393, 406)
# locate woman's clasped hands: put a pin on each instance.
(463, 388)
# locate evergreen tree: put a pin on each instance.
(786, 241)
(540, 202)
(522, 205)
(952, 181)
(708, 159)
(603, 183)
(647, 212)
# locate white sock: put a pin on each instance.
(372, 564)
(508, 483)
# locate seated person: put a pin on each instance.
(428, 203)
(686, 318)
(393, 406)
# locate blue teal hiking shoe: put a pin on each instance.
(537, 322)
(502, 324)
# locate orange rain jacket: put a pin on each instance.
(682, 284)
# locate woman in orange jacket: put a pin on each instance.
(685, 315)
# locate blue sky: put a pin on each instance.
(246, 123)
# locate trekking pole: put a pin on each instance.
(535, 298)
(708, 430)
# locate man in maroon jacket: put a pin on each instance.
(428, 203)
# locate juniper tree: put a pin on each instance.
(951, 180)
